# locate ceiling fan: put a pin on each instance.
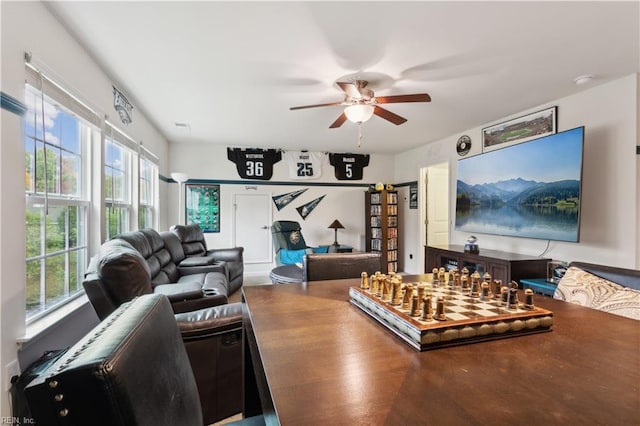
(361, 103)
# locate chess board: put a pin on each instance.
(468, 320)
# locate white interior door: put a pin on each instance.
(252, 226)
(438, 205)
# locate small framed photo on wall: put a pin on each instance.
(521, 129)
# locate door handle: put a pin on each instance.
(265, 227)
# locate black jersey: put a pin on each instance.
(349, 166)
(254, 163)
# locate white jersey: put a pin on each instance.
(304, 164)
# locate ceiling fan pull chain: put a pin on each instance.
(359, 133)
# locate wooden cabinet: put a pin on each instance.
(501, 265)
(381, 229)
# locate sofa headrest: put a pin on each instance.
(155, 239)
(122, 270)
(138, 240)
(191, 237)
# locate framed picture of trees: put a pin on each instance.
(202, 206)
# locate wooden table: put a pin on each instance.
(311, 358)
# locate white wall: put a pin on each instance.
(29, 27)
(342, 202)
(609, 212)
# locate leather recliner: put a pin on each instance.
(289, 244)
(194, 246)
(130, 370)
(211, 328)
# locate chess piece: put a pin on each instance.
(497, 286)
(442, 278)
(440, 315)
(427, 308)
(504, 295)
(434, 277)
(364, 281)
(464, 285)
(484, 291)
(386, 288)
(465, 271)
(408, 291)
(528, 299)
(415, 305)
(513, 296)
(396, 300)
(487, 277)
(475, 285)
(421, 288)
(375, 288)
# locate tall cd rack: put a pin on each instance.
(381, 224)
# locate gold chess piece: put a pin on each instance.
(397, 292)
(528, 299)
(440, 314)
(408, 291)
(427, 308)
(415, 305)
(364, 281)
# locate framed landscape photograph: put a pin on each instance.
(521, 129)
(202, 206)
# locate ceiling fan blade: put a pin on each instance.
(418, 97)
(340, 120)
(315, 106)
(388, 115)
(350, 89)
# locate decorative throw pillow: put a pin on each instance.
(583, 288)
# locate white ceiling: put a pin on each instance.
(231, 70)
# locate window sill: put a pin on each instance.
(39, 326)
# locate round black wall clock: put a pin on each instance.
(464, 145)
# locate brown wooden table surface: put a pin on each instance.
(319, 360)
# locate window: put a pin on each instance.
(64, 193)
(56, 144)
(148, 183)
(117, 184)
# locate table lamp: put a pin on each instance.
(335, 225)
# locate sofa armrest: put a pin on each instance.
(186, 297)
(233, 254)
(210, 321)
(179, 292)
(216, 266)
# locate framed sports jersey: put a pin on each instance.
(254, 163)
(202, 206)
(304, 164)
(348, 166)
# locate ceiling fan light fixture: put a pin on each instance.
(359, 113)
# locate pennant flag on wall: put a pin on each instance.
(282, 200)
(306, 209)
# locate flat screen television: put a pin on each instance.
(529, 190)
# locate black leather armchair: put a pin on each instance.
(289, 244)
(194, 247)
(131, 370)
(211, 328)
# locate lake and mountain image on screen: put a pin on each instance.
(528, 190)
